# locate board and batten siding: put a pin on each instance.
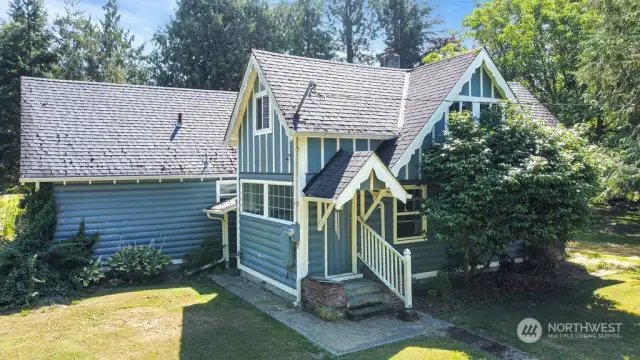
(261, 249)
(316, 241)
(169, 214)
(426, 255)
(321, 150)
(270, 153)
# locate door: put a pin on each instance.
(339, 254)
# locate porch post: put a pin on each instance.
(408, 292)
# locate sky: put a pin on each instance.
(144, 17)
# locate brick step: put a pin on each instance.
(361, 287)
(369, 311)
(360, 301)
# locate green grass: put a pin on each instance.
(421, 348)
(615, 240)
(179, 320)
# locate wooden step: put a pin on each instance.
(361, 287)
(360, 301)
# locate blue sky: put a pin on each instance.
(143, 17)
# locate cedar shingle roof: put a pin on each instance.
(528, 101)
(85, 129)
(350, 99)
(337, 174)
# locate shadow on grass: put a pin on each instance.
(615, 299)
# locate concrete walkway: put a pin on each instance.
(343, 336)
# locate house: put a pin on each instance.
(329, 172)
(136, 163)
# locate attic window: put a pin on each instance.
(261, 111)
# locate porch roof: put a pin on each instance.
(345, 174)
(222, 207)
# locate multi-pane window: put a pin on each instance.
(459, 106)
(269, 200)
(280, 202)
(262, 110)
(410, 224)
(227, 189)
(253, 198)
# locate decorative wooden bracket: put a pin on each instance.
(322, 219)
(375, 203)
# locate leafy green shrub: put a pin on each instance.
(90, 274)
(33, 265)
(9, 210)
(495, 181)
(135, 263)
(209, 252)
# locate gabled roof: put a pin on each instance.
(528, 101)
(428, 86)
(350, 99)
(344, 173)
(76, 129)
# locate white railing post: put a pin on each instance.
(407, 279)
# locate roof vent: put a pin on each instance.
(390, 59)
(179, 122)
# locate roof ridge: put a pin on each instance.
(476, 50)
(100, 83)
(330, 61)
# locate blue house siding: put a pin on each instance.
(262, 250)
(316, 242)
(321, 150)
(169, 214)
(266, 153)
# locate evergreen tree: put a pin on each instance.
(408, 28)
(25, 50)
(206, 44)
(353, 26)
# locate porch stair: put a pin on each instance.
(365, 299)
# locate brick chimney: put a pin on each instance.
(390, 59)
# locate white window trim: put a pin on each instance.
(413, 239)
(225, 182)
(256, 96)
(265, 199)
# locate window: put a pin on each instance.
(261, 111)
(226, 189)
(253, 198)
(458, 106)
(410, 224)
(269, 200)
(280, 202)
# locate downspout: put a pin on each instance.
(225, 241)
(300, 270)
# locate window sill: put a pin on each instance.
(409, 240)
(266, 218)
(262, 132)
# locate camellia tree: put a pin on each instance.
(504, 177)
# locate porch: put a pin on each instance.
(346, 208)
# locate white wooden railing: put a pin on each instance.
(393, 268)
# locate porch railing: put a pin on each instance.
(393, 268)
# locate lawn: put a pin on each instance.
(614, 298)
(183, 319)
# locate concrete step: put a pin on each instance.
(361, 287)
(361, 301)
(369, 311)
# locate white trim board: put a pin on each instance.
(429, 274)
(268, 280)
(129, 178)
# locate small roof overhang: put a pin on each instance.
(222, 207)
(348, 172)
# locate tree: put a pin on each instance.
(610, 69)
(537, 42)
(77, 43)
(25, 50)
(206, 44)
(450, 47)
(352, 22)
(118, 60)
(408, 28)
(496, 181)
(304, 31)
